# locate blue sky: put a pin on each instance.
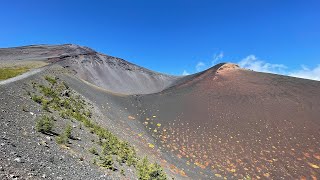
(176, 36)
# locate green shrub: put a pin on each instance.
(143, 169)
(107, 162)
(122, 172)
(68, 131)
(94, 161)
(47, 91)
(156, 172)
(45, 107)
(37, 99)
(93, 151)
(51, 80)
(147, 171)
(62, 139)
(44, 124)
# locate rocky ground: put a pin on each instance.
(28, 154)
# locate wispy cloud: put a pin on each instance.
(253, 63)
(184, 73)
(217, 58)
(307, 73)
(200, 66)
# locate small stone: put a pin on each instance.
(44, 176)
(13, 176)
(18, 160)
(48, 138)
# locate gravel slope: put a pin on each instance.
(111, 73)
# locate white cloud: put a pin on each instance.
(253, 63)
(217, 57)
(184, 73)
(307, 73)
(200, 66)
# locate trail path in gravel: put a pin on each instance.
(22, 76)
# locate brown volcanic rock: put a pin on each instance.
(233, 122)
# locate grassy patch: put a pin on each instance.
(6, 73)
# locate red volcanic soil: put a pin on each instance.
(234, 123)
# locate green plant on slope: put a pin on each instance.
(44, 124)
(107, 162)
(64, 137)
(93, 151)
(47, 91)
(156, 172)
(68, 131)
(37, 99)
(51, 80)
(148, 171)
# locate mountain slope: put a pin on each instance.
(225, 122)
(235, 123)
(113, 74)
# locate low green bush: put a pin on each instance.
(93, 151)
(63, 138)
(37, 99)
(147, 171)
(44, 124)
(107, 162)
(68, 131)
(51, 80)
(47, 91)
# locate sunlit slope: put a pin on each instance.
(236, 123)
